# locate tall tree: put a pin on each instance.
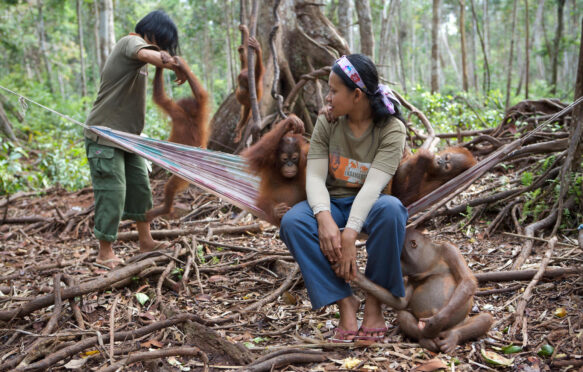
(400, 43)
(537, 39)
(345, 20)
(463, 45)
(43, 46)
(385, 39)
(557, 45)
(81, 57)
(526, 51)
(365, 26)
(106, 30)
(6, 125)
(435, 24)
(511, 55)
(578, 110)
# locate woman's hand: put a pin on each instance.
(346, 267)
(329, 235)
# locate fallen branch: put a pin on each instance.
(32, 351)
(528, 292)
(508, 276)
(285, 360)
(92, 286)
(121, 336)
(156, 354)
(172, 234)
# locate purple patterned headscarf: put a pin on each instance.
(353, 75)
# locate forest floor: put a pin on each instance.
(245, 288)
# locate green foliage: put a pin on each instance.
(450, 112)
(526, 178)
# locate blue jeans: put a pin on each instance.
(385, 225)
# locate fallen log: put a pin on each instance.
(79, 290)
(156, 354)
(78, 347)
(172, 234)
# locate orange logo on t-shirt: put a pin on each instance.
(348, 170)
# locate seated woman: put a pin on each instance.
(354, 151)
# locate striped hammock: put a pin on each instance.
(221, 174)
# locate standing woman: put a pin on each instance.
(121, 186)
(354, 151)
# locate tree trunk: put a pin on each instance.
(106, 31)
(463, 45)
(474, 53)
(537, 39)
(526, 51)
(365, 27)
(435, 47)
(557, 45)
(228, 19)
(385, 48)
(400, 43)
(81, 57)
(578, 110)
(511, 56)
(6, 125)
(304, 31)
(96, 37)
(483, 43)
(345, 21)
(447, 49)
(43, 47)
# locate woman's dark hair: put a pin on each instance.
(159, 28)
(370, 77)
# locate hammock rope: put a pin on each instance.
(226, 176)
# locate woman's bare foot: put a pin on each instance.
(348, 308)
(373, 324)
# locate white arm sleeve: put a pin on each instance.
(374, 184)
(318, 195)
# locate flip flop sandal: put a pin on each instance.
(369, 334)
(119, 261)
(343, 336)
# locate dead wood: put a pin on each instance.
(428, 138)
(92, 286)
(504, 195)
(285, 360)
(528, 292)
(157, 354)
(25, 220)
(172, 234)
(508, 276)
(214, 345)
(566, 363)
(282, 288)
(532, 228)
(78, 347)
(33, 350)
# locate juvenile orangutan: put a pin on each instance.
(440, 292)
(424, 171)
(439, 295)
(279, 158)
(190, 118)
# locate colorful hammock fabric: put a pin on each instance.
(222, 174)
